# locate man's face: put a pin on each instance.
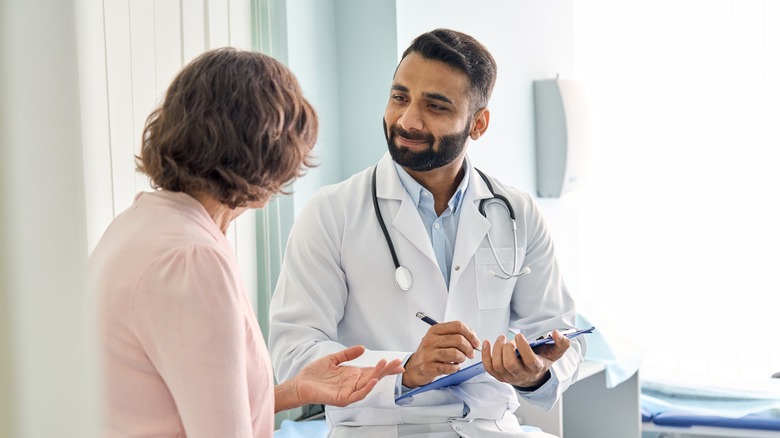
(427, 120)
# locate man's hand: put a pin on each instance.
(528, 370)
(324, 381)
(441, 351)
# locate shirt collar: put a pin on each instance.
(415, 189)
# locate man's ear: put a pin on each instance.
(481, 122)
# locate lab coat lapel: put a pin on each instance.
(407, 219)
(472, 226)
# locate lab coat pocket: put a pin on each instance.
(494, 292)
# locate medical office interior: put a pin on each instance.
(669, 243)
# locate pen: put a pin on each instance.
(430, 321)
(426, 318)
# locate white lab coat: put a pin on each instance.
(336, 288)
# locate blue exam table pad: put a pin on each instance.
(688, 402)
(302, 429)
(685, 419)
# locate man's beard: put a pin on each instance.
(450, 147)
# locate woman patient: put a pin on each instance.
(181, 348)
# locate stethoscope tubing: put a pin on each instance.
(403, 277)
(382, 221)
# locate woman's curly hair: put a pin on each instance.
(233, 125)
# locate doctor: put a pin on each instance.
(345, 280)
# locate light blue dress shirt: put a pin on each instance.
(443, 229)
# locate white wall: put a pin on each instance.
(48, 336)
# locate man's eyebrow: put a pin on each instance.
(434, 96)
(437, 96)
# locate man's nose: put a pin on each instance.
(411, 119)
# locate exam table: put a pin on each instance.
(677, 405)
(696, 406)
(691, 424)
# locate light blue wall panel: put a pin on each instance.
(313, 56)
(366, 37)
(344, 54)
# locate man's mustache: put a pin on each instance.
(397, 130)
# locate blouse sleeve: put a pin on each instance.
(189, 316)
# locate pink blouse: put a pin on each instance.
(181, 349)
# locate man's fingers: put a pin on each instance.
(468, 338)
(495, 359)
(554, 351)
(487, 360)
(562, 343)
(524, 348)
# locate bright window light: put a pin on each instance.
(680, 217)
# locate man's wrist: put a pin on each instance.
(404, 381)
(544, 380)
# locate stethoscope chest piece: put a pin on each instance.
(403, 277)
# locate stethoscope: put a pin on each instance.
(403, 276)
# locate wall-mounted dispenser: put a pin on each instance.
(562, 136)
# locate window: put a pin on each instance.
(679, 222)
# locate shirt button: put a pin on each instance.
(436, 225)
(457, 268)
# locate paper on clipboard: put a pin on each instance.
(476, 369)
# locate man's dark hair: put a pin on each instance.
(464, 53)
(233, 125)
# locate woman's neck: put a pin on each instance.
(221, 214)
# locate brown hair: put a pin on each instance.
(464, 53)
(234, 125)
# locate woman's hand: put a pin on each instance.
(325, 382)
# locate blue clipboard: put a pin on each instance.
(478, 368)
